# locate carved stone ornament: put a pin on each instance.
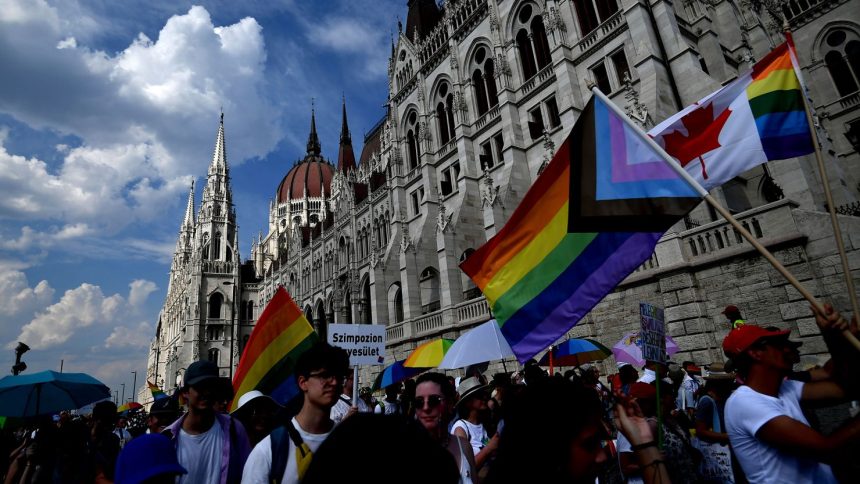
(637, 111)
(405, 239)
(443, 218)
(490, 192)
(549, 151)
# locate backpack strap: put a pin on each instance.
(280, 441)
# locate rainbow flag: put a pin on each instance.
(157, 393)
(281, 334)
(759, 117)
(561, 251)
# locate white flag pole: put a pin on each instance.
(722, 211)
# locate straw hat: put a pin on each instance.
(717, 371)
(469, 387)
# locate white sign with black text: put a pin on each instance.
(365, 343)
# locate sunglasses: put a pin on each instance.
(433, 401)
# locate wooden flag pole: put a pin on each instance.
(725, 213)
(825, 181)
(834, 221)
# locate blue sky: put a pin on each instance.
(108, 110)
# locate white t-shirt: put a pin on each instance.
(344, 403)
(476, 434)
(746, 412)
(259, 463)
(200, 455)
(648, 376)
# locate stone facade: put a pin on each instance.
(480, 94)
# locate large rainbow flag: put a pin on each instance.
(281, 334)
(157, 393)
(759, 117)
(592, 217)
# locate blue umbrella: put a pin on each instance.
(48, 392)
(395, 373)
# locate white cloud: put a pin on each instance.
(139, 290)
(79, 308)
(133, 338)
(146, 116)
(17, 297)
(364, 40)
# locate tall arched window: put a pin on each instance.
(445, 113)
(216, 246)
(215, 302)
(842, 56)
(412, 150)
(214, 355)
(484, 81)
(532, 44)
(250, 310)
(591, 13)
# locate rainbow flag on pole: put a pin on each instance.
(281, 334)
(563, 250)
(157, 393)
(759, 117)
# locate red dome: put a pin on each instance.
(312, 174)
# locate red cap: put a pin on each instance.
(731, 308)
(738, 340)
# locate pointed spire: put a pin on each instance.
(188, 221)
(219, 157)
(345, 154)
(313, 140)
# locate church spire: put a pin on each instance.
(188, 221)
(313, 140)
(345, 155)
(219, 157)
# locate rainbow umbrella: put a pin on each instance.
(429, 354)
(126, 407)
(394, 373)
(575, 352)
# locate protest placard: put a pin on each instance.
(653, 333)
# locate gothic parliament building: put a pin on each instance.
(480, 93)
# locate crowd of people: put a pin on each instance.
(742, 420)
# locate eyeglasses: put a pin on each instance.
(326, 376)
(433, 401)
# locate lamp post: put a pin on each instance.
(134, 387)
(116, 397)
(20, 365)
(232, 323)
(123, 391)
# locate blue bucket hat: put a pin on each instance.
(145, 457)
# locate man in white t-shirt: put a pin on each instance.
(767, 429)
(210, 445)
(345, 405)
(284, 455)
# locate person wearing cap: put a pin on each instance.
(148, 459)
(768, 432)
(733, 315)
(212, 446)
(471, 407)
(257, 413)
(162, 413)
(710, 424)
(285, 454)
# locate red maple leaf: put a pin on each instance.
(703, 133)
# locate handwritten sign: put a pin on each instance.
(365, 343)
(653, 333)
